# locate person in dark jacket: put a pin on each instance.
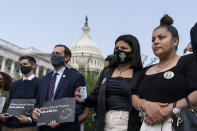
(112, 93)
(25, 88)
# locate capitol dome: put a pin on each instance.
(86, 54)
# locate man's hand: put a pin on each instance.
(188, 48)
(4, 117)
(78, 95)
(53, 124)
(36, 113)
(23, 119)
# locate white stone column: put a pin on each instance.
(12, 68)
(44, 71)
(3, 64)
(37, 71)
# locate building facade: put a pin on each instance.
(10, 53)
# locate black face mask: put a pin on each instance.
(57, 60)
(25, 69)
(122, 57)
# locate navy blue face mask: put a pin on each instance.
(57, 60)
(25, 69)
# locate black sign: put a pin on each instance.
(2, 102)
(61, 110)
(21, 107)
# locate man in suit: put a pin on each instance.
(65, 83)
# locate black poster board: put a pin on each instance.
(61, 110)
(21, 107)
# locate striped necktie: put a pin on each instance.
(52, 86)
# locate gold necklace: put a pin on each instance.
(120, 72)
(160, 67)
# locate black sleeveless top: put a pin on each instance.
(118, 93)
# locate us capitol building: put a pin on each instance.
(86, 55)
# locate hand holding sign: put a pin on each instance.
(4, 117)
(53, 124)
(36, 113)
(23, 119)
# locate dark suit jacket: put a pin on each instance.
(70, 80)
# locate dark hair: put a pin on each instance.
(136, 62)
(109, 58)
(31, 59)
(166, 22)
(7, 80)
(66, 50)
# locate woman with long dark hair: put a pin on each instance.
(112, 93)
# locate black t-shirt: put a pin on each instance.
(171, 85)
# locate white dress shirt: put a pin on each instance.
(29, 78)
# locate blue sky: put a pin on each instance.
(44, 23)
